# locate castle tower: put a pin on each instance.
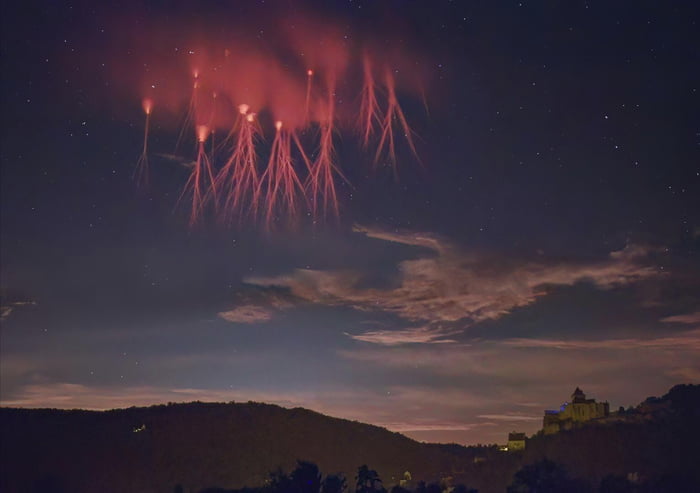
(578, 396)
(573, 413)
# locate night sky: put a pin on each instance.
(546, 237)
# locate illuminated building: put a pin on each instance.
(516, 441)
(571, 414)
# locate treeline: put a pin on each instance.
(307, 478)
(544, 476)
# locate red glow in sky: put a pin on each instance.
(303, 81)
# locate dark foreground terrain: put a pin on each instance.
(653, 447)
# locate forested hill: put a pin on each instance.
(199, 445)
(649, 448)
(656, 441)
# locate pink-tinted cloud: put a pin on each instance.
(433, 425)
(426, 240)
(7, 307)
(71, 395)
(515, 375)
(687, 318)
(426, 335)
(685, 340)
(449, 284)
(251, 308)
(510, 417)
(160, 59)
(248, 314)
(518, 359)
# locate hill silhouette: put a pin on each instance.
(659, 438)
(234, 445)
(198, 445)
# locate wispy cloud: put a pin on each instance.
(516, 357)
(448, 284)
(510, 417)
(426, 240)
(432, 425)
(71, 395)
(248, 314)
(687, 318)
(509, 373)
(685, 340)
(10, 300)
(424, 334)
(256, 307)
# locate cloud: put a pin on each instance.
(515, 374)
(688, 318)
(448, 284)
(71, 395)
(248, 314)
(10, 300)
(686, 373)
(537, 365)
(415, 239)
(426, 335)
(509, 417)
(257, 306)
(686, 340)
(7, 307)
(432, 425)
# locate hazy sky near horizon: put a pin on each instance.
(547, 237)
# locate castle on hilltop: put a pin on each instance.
(571, 414)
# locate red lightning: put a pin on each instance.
(369, 108)
(201, 182)
(239, 178)
(228, 177)
(393, 113)
(321, 180)
(191, 109)
(309, 77)
(283, 189)
(141, 171)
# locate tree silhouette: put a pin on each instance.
(368, 481)
(615, 484)
(334, 483)
(545, 476)
(399, 489)
(423, 487)
(306, 478)
(280, 482)
(460, 488)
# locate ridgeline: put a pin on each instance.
(235, 445)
